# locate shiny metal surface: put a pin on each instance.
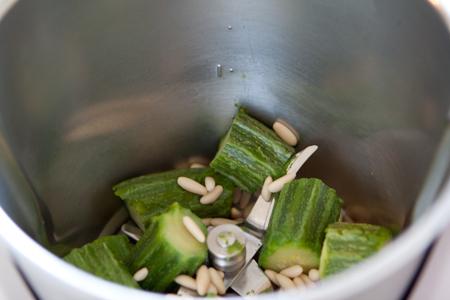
(227, 248)
(252, 281)
(252, 245)
(258, 219)
(95, 92)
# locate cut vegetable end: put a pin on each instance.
(289, 256)
(296, 231)
(347, 244)
(179, 236)
(168, 249)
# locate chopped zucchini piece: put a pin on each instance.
(250, 152)
(149, 195)
(347, 244)
(107, 257)
(302, 211)
(167, 249)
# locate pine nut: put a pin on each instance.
(237, 196)
(217, 280)
(314, 275)
(292, 272)
(140, 274)
(221, 221)
(299, 282)
(186, 281)
(285, 132)
(191, 185)
(213, 196)
(197, 166)
(206, 221)
(193, 229)
(245, 199)
(278, 184)
(203, 280)
(210, 183)
(308, 282)
(272, 276)
(300, 158)
(235, 213)
(198, 159)
(285, 282)
(265, 193)
(212, 290)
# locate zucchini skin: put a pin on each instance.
(149, 195)
(165, 259)
(107, 257)
(303, 210)
(249, 152)
(346, 244)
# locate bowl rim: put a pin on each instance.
(409, 245)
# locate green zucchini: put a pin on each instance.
(347, 244)
(167, 249)
(149, 195)
(107, 257)
(250, 152)
(302, 211)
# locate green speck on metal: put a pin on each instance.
(251, 293)
(236, 247)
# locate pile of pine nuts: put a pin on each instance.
(210, 192)
(293, 277)
(208, 281)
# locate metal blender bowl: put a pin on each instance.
(92, 92)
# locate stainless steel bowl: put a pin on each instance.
(92, 92)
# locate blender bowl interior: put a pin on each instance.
(92, 93)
